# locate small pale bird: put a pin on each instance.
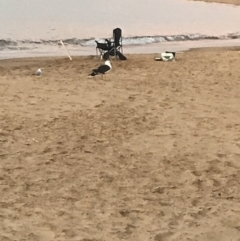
(38, 72)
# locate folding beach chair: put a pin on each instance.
(103, 47)
(117, 48)
(112, 47)
(117, 41)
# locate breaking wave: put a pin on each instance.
(9, 44)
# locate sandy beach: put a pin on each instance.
(234, 2)
(149, 153)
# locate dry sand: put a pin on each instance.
(234, 2)
(150, 153)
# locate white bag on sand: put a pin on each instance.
(166, 57)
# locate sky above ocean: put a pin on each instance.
(56, 19)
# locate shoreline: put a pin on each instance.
(154, 48)
(229, 2)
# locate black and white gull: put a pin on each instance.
(102, 69)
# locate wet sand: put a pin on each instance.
(234, 2)
(149, 153)
(50, 51)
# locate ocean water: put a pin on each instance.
(30, 25)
